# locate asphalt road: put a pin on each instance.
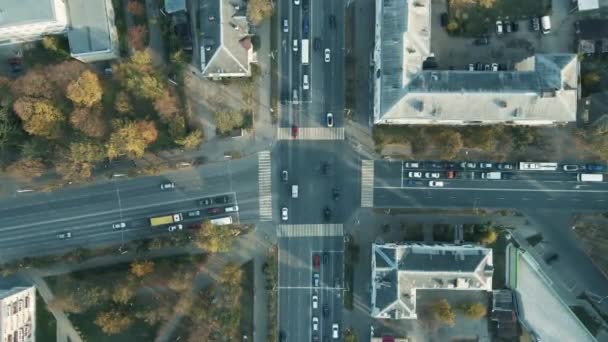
(31, 222)
(296, 287)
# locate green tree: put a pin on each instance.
(78, 161)
(215, 238)
(259, 10)
(231, 275)
(191, 141)
(488, 237)
(9, 130)
(591, 79)
(475, 310)
(86, 90)
(113, 322)
(442, 311)
(167, 107)
(122, 103)
(227, 121)
(453, 26)
(138, 76)
(40, 117)
(449, 143)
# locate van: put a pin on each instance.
(305, 84)
(545, 23)
(590, 177)
(294, 191)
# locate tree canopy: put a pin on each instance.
(40, 117)
(442, 311)
(113, 322)
(131, 138)
(475, 310)
(86, 90)
(215, 238)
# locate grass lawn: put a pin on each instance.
(247, 299)
(46, 325)
(85, 324)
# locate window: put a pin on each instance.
(7, 309)
(27, 301)
(20, 305)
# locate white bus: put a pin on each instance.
(305, 52)
(537, 166)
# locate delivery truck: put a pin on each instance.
(166, 219)
(590, 177)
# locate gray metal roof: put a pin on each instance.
(441, 261)
(387, 290)
(385, 257)
(13, 12)
(172, 6)
(89, 31)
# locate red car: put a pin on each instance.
(451, 174)
(316, 260)
(214, 210)
(294, 131)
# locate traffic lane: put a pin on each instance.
(491, 198)
(338, 61)
(514, 185)
(388, 174)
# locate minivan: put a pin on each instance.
(305, 84)
(545, 23)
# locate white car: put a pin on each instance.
(436, 184)
(498, 27)
(285, 25)
(296, 2)
(119, 225)
(471, 67)
(64, 235)
(432, 175)
(315, 323)
(315, 301)
(284, 214)
(175, 227)
(494, 66)
(412, 165)
(305, 84)
(414, 174)
(330, 120)
(295, 45)
(167, 186)
(335, 331)
(231, 209)
(327, 55)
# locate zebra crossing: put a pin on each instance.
(264, 184)
(308, 230)
(367, 183)
(311, 133)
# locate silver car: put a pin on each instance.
(327, 55)
(119, 225)
(285, 25)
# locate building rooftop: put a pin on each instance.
(592, 28)
(13, 13)
(400, 270)
(89, 30)
(542, 90)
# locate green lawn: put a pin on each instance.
(46, 325)
(247, 299)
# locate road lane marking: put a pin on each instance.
(306, 230)
(402, 166)
(491, 189)
(311, 133)
(367, 183)
(265, 185)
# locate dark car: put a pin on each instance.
(335, 193)
(282, 336)
(305, 5)
(332, 21)
(551, 258)
(502, 67)
(325, 310)
(294, 131)
(325, 258)
(478, 66)
(325, 168)
(327, 213)
(515, 26)
(221, 199)
(481, 41)
(316, 261)
(204, 202)
(444, 19)
(214, 210)
(410, 182)
(595, 167)
(316, 44)
(507, 175)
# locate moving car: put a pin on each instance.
(284, 176)
(305, 26)
(498, 27)
(284, 215)
(335, 193)
(571, 167)
(295, 45)
(327, 213)
(285, 25)
(325, 310)
(332, 21)
(414, 174)
(315, 279)
(315, 301)
(194, 213)
(64, 235)
(315, 323)
(316, 261)
(305, 84)
(167, 186)
(436, 184)
(296, 2)
(330, 119)
(204, 202)
(119, 225)
(316, 44)
(432, 175)
(335, 331)
(327, 55)
(175, 227)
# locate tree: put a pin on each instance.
(452, 26)
(488, 237)
(122, 103)
(92, 295)
(231, 275)
(147, 130)
(227, 121)
(40, 117)
(86, 90)
(138, 35)
(129, 138)
(487, 3)
(177, 127)
(26, 169)
(192, 140)
(450, 143)
(33, 84)
(113, 322)
(138, 76)
(78, 162)
(142, 268)
(136, 8)
(475, 310)
(90, 121)
(591, 80)
(215, 238)
(259, 10)
(9, 130)
(181, 281)
(124, 291)
(66, 302)
(442, 311)
(166, 106)
(36, 148)
(62, 74)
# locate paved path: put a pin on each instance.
(156, 42)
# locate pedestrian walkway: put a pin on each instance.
(367, 183)
(312, 133)
(264, 183)
(307, 230)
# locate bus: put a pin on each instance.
(537, 166)
(305, 52)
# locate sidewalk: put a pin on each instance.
(156, 43)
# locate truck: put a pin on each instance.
(305, 52)
(221, 221)
(590, 177)
(491, 175)
(166, 219)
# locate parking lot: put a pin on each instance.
(311, 269)
(509, 48)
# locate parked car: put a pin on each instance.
(329, 119)
(505, 166)
(119, 225)
(481, 41)
(296, 2)
(595, 167)
(478, 66)
(325, 258)
(507, 26)
(571, 168)
(327, 213)
(494, 66)
(305, 26)
(451, 174)
(284, 214)
(436, 184)
(468, 165)
(486, 67)
(327, 55)
(194, 213)
(221, 199)
(204, 202)
(167, 186)
(498, 27)
(485, 165)
(335, 193)
(412, 165)
(285, 25)
(332, 21)
(471, 67)
(432, 175)
(214, 210)
(316, 261)
(284, 176)
(535, 24)
(444, 19)
(294, 131)
(414, 174)
(437, 165)
(515, 26)
(231, 209)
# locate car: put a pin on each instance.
(284, 214)
(410, 182)
(486, 67)
(595, 167)
(325, 310)
(494, 66)
(327, 55)
(305, 26)
(325, 258)
(315, 323)
(335, 331)
(535, 24)
(327, 213)
(444, 19)
(470, 165)
(485, 165)
(507, 175)
(285, 25)
(505, 166)
(335, 192)
(282, 336)
(194, 213)
(295, 45)
(515, 26)
(231, 209)
(167, 186)
(412, 165)
(332, 21)
(175, 227)
(296, 2)
(478, 66)
(305, 84)
(551, 258)
(221, 199)
(64, 235)
(329, 118)
(119, 225)
(498, 27)
(204, 202)
(507, 26)
(305, 5)
(432, 175)
(571, 167)
(437, 165)
(471, 67)
(436, 184)
(481, 41)
(284, 175)
(315, 279)
(414, 174)
(214, 210)
(337, 282)
(315, 301)
(451, 174)
(316, 261)
(295, 95)
(316, 44)
(294, 131)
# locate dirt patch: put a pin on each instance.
(397, 150)
(592, 234)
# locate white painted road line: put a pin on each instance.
(367, 183)
(265, 185)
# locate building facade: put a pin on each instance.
(18, 315)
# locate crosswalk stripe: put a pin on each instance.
(312, 133)
(264, 184)
(307, 230)
(367, 183)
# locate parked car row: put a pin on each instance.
(335, 328)
(486, 67)
(536, 24)
(456, 165)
